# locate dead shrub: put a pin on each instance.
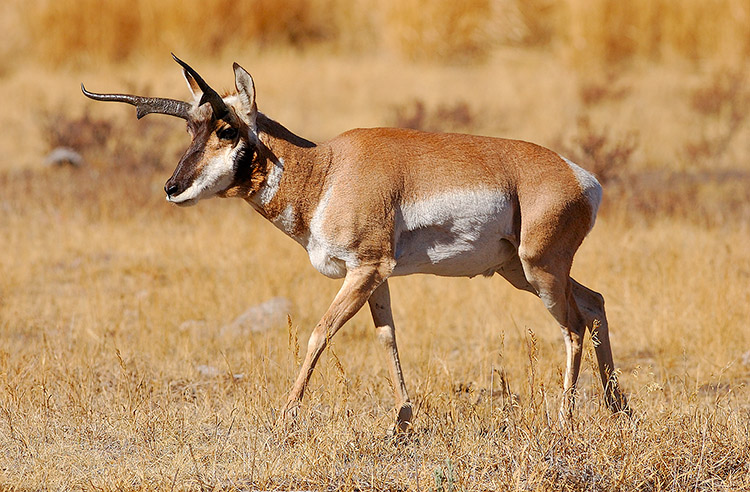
(710, 198)
(540, 19)
(608, 32)
(121, 160)
(65, 31)
(448, 117)
(607, 89)
(103, 143)
(723, 104)
(82, 133)
(598, 152)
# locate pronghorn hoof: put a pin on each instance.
(289, 415)
(403, 420)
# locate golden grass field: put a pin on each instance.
(117, 371)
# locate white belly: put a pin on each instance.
(457, 234)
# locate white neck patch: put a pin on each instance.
(271, 184)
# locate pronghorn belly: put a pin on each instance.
(456, 234)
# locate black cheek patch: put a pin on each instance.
(245, 157)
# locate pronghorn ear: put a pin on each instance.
(195, 89)
(246, 90)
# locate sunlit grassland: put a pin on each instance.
(107, 321)
(117, 370)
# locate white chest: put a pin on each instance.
(328, 258)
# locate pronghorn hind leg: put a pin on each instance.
(552, 284)
(512, 271)
(380, 306)
(591, 305)
(358, 285)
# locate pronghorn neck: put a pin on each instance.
(292, 180)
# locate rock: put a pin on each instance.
(64, 156)
(259, 318)
(210, 372)
(190, 325)
(207, 371)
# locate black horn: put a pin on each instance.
(209, 95)
(145, 105)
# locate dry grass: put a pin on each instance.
(111, 315)
(116, 374)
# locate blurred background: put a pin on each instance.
(646, 91)
(66, 33)
(650, 95)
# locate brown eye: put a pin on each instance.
(228, 133)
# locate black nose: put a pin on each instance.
(170, 189)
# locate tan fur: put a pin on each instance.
(372, 168)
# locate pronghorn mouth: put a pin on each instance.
(182, 203)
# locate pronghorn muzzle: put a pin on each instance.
(186, 171)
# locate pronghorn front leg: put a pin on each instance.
(380, 306)
(359, 284)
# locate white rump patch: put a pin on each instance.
(459, 233)
(590, 186)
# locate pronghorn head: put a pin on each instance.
(224, 151)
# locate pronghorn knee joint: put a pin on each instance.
(385, 336)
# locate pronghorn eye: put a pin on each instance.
(228, 133)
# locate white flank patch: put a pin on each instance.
(590, 186)
(459, 233)
(328, 258)
(271, 184)
(216, 176)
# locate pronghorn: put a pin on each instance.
(377, 203)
